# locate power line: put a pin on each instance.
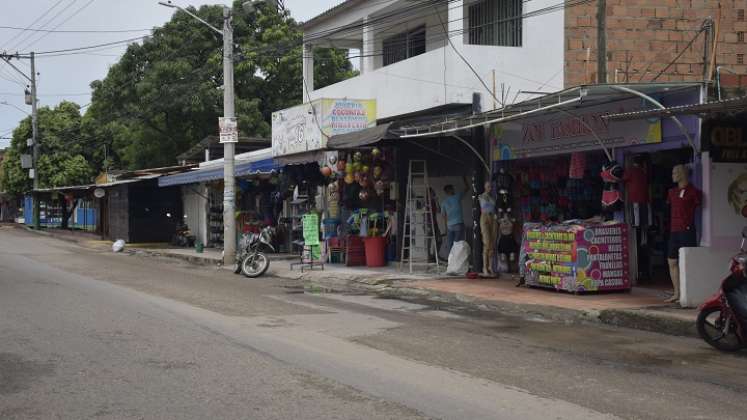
(32, 23)
(78, 31)
(50, 20)
(60, 24)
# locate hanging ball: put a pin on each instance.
(357, 156)
(326, 171)
(376, 152)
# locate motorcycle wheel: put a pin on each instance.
(255, 267)
(710, 326)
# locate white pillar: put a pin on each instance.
(308, 71)
(369, 48)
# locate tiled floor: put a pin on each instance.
(505, 290)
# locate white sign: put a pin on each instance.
(32, 174)
(307, 127)
(229, 130)
(99, 193)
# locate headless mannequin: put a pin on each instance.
(680, 177)
(488, 229)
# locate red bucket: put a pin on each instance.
(375, 251)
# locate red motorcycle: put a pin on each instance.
(722, 321)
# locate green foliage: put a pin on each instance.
(165, 95)
(65, 154)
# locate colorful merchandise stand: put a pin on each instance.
(578, 258)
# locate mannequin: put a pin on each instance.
(683, 200)
(488, 228)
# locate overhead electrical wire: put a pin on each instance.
(44, 35)
(77, 31)
(14, 37)
(43, 25)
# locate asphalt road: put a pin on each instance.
(90, 334)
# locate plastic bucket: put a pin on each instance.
(375, 251)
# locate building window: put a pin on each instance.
(405, 45)
(740, 58)
(740, 15)
(495, 22)
(740, 36)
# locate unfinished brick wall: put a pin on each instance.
(644, 36)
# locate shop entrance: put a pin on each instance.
(649, 218)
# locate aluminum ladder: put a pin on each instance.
(418, 228)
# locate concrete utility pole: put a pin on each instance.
(35, 147)
(34, 131)
(229, 148)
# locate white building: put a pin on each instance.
(407, 64)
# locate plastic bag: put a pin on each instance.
(118, 246)
(458, 259)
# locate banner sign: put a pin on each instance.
(307, 127)
(558, 132)
(577, 258)
(229, 129)
(726, 138)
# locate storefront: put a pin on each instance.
(547, 167)
(202, 195)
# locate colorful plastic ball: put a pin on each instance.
(363, 195)
(377, 171)
(326, 171)
(357, 156)
(376, 152)
(365, 169)
(349, 179)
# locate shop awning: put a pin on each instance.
(361, 138)
(725, 106)
(252, 163)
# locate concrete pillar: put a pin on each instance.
(369, 48)
(308, 71)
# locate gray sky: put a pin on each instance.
(68, 77)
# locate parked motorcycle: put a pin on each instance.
(251, 260)
(722, 321)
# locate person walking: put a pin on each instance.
(451, 209)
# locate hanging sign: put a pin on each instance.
(26, 162)
(557, 132)
(99, 193)
(229, 129)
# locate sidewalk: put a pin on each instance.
(642, 308)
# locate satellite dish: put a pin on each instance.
(99, 193)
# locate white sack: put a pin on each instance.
(459, 259)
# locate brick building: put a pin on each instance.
(645, 36)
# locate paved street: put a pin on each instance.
(91, 334)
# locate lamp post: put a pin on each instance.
(229, 135)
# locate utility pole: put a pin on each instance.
(229, 148)
(601, 41)
(34, 131)
(35, 146)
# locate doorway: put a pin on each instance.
(650, 221)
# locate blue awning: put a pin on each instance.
(265, 166)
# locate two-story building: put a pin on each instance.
(476, 86)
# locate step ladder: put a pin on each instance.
(419, 238)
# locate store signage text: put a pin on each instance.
(728, 143)
(565, 128)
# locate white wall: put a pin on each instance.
(195, 209)
(440, 77)
(701, 271)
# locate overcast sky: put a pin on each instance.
(68, 77)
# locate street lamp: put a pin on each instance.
(229, 134)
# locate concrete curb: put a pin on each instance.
(649, 320)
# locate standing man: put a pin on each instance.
(451, 209)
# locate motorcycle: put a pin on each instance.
(722, 320)
(251, 261)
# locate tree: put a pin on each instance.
(164, 95)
